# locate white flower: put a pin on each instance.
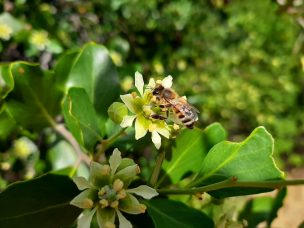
(106, 193)
(139, 105)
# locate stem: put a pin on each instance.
(157, 168)
(231, 183)
(105, 144)
(70, 138)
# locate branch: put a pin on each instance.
(231, 183)
(59, 128)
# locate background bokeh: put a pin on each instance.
(239, 62)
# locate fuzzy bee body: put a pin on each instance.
(168, 98)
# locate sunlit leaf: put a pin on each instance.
(250, 160)
(35, 101)
(91, 69)
(189, 151)
(81, 117)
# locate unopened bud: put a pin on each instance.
(104, 203)
(114, 204)
(118, 185)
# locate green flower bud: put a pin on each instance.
(117, 111)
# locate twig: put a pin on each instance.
(70, 138)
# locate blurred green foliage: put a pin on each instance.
(239, 62)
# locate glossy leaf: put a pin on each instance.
(250, 160)
(40, 202)
(7, 125)
(6, 81)
(92, 69)
(189, 151)
(35, 101)
(168, 213)
(81, 117)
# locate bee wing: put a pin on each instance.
(182, 100)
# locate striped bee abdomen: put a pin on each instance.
(187, 116)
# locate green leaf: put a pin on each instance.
(168, 213)
(7, 125)
(40, 202)
(81, 117)
(6, 81)
(92, 69)
(250, 160)
(189, 151)
(35, 101)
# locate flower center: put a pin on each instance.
(110, 195)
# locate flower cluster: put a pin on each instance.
(106, 193)
(5, 31)
(40, 39)
(140, 105)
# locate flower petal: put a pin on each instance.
(127, 174)
(85, 220)
(156, 139)
(167, 82)
(82, 183)
(164, 132)
(105, 215)
(127, 121)
(141, 127)
(82, 199)
(151, 83)
(131, 205)
(139, 82)
(123, 222)
(115, 160)
(128, 99)
(99, 174)
(144, 191)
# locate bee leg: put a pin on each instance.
(158, 117)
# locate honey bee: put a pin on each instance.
(168, 98)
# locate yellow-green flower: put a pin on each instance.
(5, 31)
(140, 105)
(106, 193)
(40, 39)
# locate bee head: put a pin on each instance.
(158, 90)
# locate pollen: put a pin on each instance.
(104, 203)
(114, 204)
(121, 194)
